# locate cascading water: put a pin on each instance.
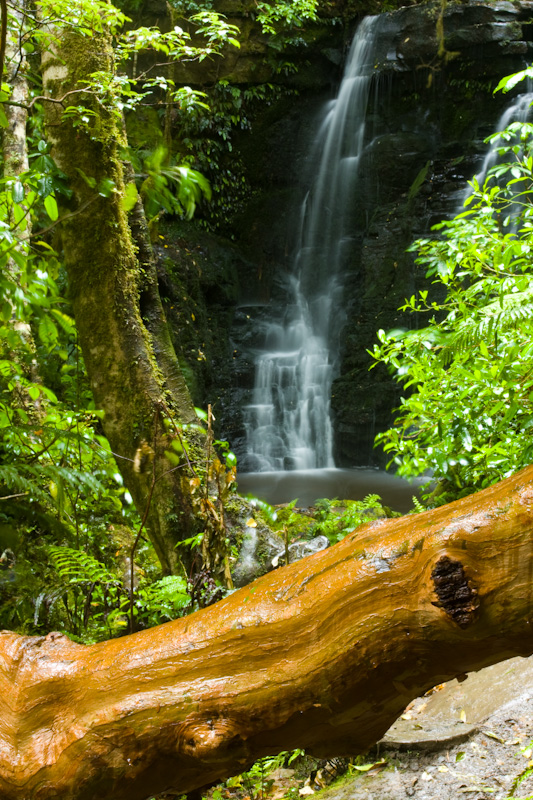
(288, 423)
(518, 111)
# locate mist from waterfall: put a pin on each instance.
(288, 424)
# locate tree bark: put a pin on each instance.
(133, 370)
(16, 163)
(14, 145)
(323, 654)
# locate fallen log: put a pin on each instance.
(323, 654)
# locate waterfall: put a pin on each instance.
(519, 111)
(288, 423)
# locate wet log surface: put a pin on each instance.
(323, 654)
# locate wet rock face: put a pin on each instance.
(411, 33)
(261, 552)
(258, 550)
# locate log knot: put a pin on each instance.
(457, 596)
(209, 739)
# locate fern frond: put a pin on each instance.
(14, 481)
(417, 505)
(66, 322)
(84, 481)
(502, 315)
(172, 589)
(76, 566)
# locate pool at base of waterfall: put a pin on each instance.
(346, 484)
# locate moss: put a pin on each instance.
(402, 550)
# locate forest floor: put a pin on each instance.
(471, 739)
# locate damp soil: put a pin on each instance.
(494, 762)
(471, 739)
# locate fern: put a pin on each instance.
(417, 505)
(502, 315)
(76, 566)
(84, 481)
(105, 598)
(14, 481)
(170, 593)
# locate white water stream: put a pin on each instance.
(519, 110)
(288, 423)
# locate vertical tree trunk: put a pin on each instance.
(132, 367)
(15, 163)
(14, 145)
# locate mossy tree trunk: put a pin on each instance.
(132, 367)
(323, 654)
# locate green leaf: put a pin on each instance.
(18, 192)
(174, 459)
(19, 215)
(45, 186)
(91, 182)
(50, 205)
(47, 331)
(510, 81)
(368, 767)
(106, 187)
(19, 258)
(129, 198)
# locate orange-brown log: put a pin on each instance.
(323, 654)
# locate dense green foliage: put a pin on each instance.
(329, 517)
(58, 479)
(204, 140)
(68, 528)
(61, 492)
(468, 411)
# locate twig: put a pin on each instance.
(208, 448)
(155, 478)
(56, 100)
(143, 522)
(66, 216)
(164, 406)
(3, 36)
